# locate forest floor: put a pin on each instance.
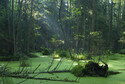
(116, 62)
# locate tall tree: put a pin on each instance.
(13, 26)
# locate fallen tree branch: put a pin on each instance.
(59, 71)
(51, 79)
(36, 68)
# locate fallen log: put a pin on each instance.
(51, 79)
(59, 71)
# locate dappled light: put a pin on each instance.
(62, 41)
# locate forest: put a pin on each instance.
(62, 41)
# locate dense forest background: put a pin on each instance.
(80, 26)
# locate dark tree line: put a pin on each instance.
(82, 25)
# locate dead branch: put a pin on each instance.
(50, 79)
(59, 63)
(36, 68)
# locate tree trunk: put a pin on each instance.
(8, 24)
(13, 26)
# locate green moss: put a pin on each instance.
(90, 69)
(78, 70)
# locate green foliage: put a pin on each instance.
(76, 36)
(96, 35)
(122, 39)
(3, 69)
(19, 56)
(86, 54)
(64, 53)
(76, 23)
(56, 42)
(79, 56)
(15, 57)
(24, 63)
(46, 51)
(108, 52)
(61, 53)
(97, 44)
(122, 51)
(77, 70)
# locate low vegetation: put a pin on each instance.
(61, 53)
(122, 51)
(15, 57)
(4, 70)
(46, 51)
(24, 63)
(92, 69)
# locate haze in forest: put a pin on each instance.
(88, 35)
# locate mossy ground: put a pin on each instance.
(114, 65)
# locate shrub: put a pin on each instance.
(15, 57)
(122, 51)
(45, 51)
(91, 69)
(55, 55)
(108, 52)
(86, 55)
(64, 54)
(24, 63)
(19, 56)
(77, 70)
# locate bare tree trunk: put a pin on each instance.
(8, 20)
(13, 26)
(93, 15)
(123, 15)
(30, 28)
(60, 20)
(119, 18)
(60, 9)
(84, 26)
(111, 20)
(19, 24)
